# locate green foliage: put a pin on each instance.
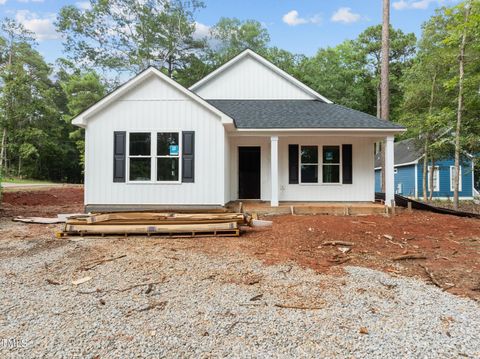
(128, 36)
(230, 36)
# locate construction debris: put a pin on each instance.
(338, 243)
(81, 280)
(61, 218)
(165, 224)
(409, 256)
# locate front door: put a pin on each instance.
(249, 172)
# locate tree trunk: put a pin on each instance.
(461, 61)
(425, 171)
(384, 84)
(3, 152)
(170, 66)
(432, 176)
(385, 87)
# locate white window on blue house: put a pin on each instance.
(436, 179)
(452, 178)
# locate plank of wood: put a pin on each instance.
(145, 228)
(410, 256)
(140, 217)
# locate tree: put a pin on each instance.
(460, 30)
(81, 90)
(384, 79)
(402, 51)
(14, 41)
(130, 35)
(230, 36)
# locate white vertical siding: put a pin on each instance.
(155, 106)
(249, 79)
(362, 188)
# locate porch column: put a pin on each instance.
(389, 176)
(274, 170)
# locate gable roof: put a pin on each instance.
(284, 114)
(81, 119)
(405, 152)
(265, 62)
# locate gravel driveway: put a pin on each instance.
(214, 305)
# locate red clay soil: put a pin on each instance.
(450, 244)
(42, 202)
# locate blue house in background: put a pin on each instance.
(408, 174)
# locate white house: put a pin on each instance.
(248, 130)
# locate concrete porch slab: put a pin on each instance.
(308, 208)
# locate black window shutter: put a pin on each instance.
(188, 156)
(293, 164)
(347, 164)
(119, 155)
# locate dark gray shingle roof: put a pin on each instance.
(297, 114)
(406, 151)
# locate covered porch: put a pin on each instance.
(317, 171)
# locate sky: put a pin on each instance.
(299, 26)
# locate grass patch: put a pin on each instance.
(25, 181)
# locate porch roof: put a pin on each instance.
(281, 114)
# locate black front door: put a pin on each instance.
(249, 172)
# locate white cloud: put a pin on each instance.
(418, 4)
(201, 30)
(292, 18)
(42, 27)
(345, 15)
(83, 5)
(2, 2)
(27, 1)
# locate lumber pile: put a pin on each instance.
(153, 223)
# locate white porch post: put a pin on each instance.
(274, 170)
(389, 176)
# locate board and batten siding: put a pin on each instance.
(249, 79)
(158, 107)
(361, 190)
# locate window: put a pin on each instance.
(436, 179)
(309, 164)
(163, 156)
(452, 177)
(140, 159)
(331, 164)
(168, 156)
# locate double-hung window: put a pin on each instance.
(453, 174)
(331, 164)
(140, 157)
(162, 154)
(309, 164)
(168, 156)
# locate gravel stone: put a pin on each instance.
(208, 310)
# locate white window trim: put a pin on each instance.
(452, 171)
(319, 165)
(153, 157)
(436, 185)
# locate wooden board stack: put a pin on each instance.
(159, 224)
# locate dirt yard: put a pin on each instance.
(450, 244)
(272, 292)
